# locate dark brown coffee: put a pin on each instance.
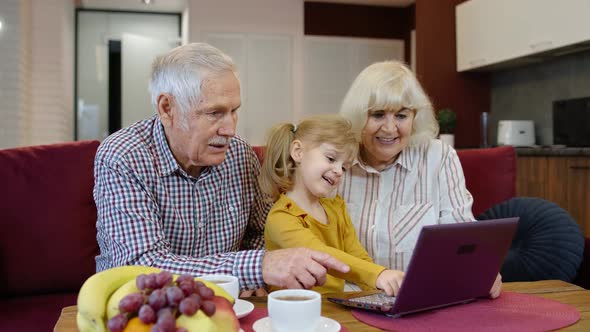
(294, 298)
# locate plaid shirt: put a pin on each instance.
(151, 212)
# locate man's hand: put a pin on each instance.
(390, 281)
(298, 267)
(496, 287)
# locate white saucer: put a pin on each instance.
(325, 325)
(242, 308)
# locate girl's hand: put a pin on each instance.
(496, 287)
(390, 281)
(254, 292)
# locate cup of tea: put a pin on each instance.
(294, 310)
(228, 282)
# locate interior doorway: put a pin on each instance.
(114, 51)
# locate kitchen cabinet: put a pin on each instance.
(493, 32)
(560, 179)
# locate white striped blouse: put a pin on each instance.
(424, 186)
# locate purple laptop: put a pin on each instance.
(451, 264)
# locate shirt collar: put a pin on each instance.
(166, 162)
(288, 205)
(404, 160)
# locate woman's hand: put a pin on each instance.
(254, 292)
(496, 287)
(390, 281)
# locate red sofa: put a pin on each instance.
(48, 219)
(490, 174)
(48, 238)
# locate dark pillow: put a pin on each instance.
(48, 218)
(548, 243)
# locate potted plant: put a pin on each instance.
(447, 119)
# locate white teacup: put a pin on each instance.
(228, 282)
(294, 310)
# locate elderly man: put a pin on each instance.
(179, 190)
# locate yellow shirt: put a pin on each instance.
(288, 226)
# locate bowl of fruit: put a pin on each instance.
(141, 298)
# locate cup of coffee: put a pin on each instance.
(294, 310)
(228, 282)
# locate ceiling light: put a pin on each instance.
(147, 2)
(0, 25)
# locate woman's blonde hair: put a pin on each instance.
(278, 168)
(389, 85)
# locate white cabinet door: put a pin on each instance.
(490, 31)
(496, 31)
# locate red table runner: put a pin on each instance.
(510, 312)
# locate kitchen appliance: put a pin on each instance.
(571, 122)
(516, 132)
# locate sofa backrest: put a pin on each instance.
(47, 218)
(490, 174)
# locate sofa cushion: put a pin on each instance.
(33, 313)
(48, 218)
(490, 175)
(548, 243)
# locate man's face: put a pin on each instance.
(209, 127)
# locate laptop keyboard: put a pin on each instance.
(376, 299)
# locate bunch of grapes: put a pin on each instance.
(161, 300)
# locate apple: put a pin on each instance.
(224, 319)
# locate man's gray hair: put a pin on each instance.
(181, 72)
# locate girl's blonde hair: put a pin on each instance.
(389, 85)
(278, 168)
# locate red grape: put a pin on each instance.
(184, 277)
(188, 306)
(147, 314)
(163, 279)
(186, 287)
(206, 292)
(174, 295)
(140, 281)
(117, 323)
(157, 299)
(166, 321)
(208, 308)
(131, 302)
(150, 281)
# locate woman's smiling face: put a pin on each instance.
(385, 134)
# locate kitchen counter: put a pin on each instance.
(553, 151)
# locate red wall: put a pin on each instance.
(468, 94)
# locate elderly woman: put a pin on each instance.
(404, 178)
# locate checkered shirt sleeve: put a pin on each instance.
(151, 212)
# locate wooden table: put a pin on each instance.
(551, 289)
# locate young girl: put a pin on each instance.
(302, 167)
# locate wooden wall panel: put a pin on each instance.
(468, 94)
(330, 19)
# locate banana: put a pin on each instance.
(96, 290)
(113, 302)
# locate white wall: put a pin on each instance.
(257, 23)
(36, 72)
(15, 69)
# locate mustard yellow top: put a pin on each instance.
(288, 226)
